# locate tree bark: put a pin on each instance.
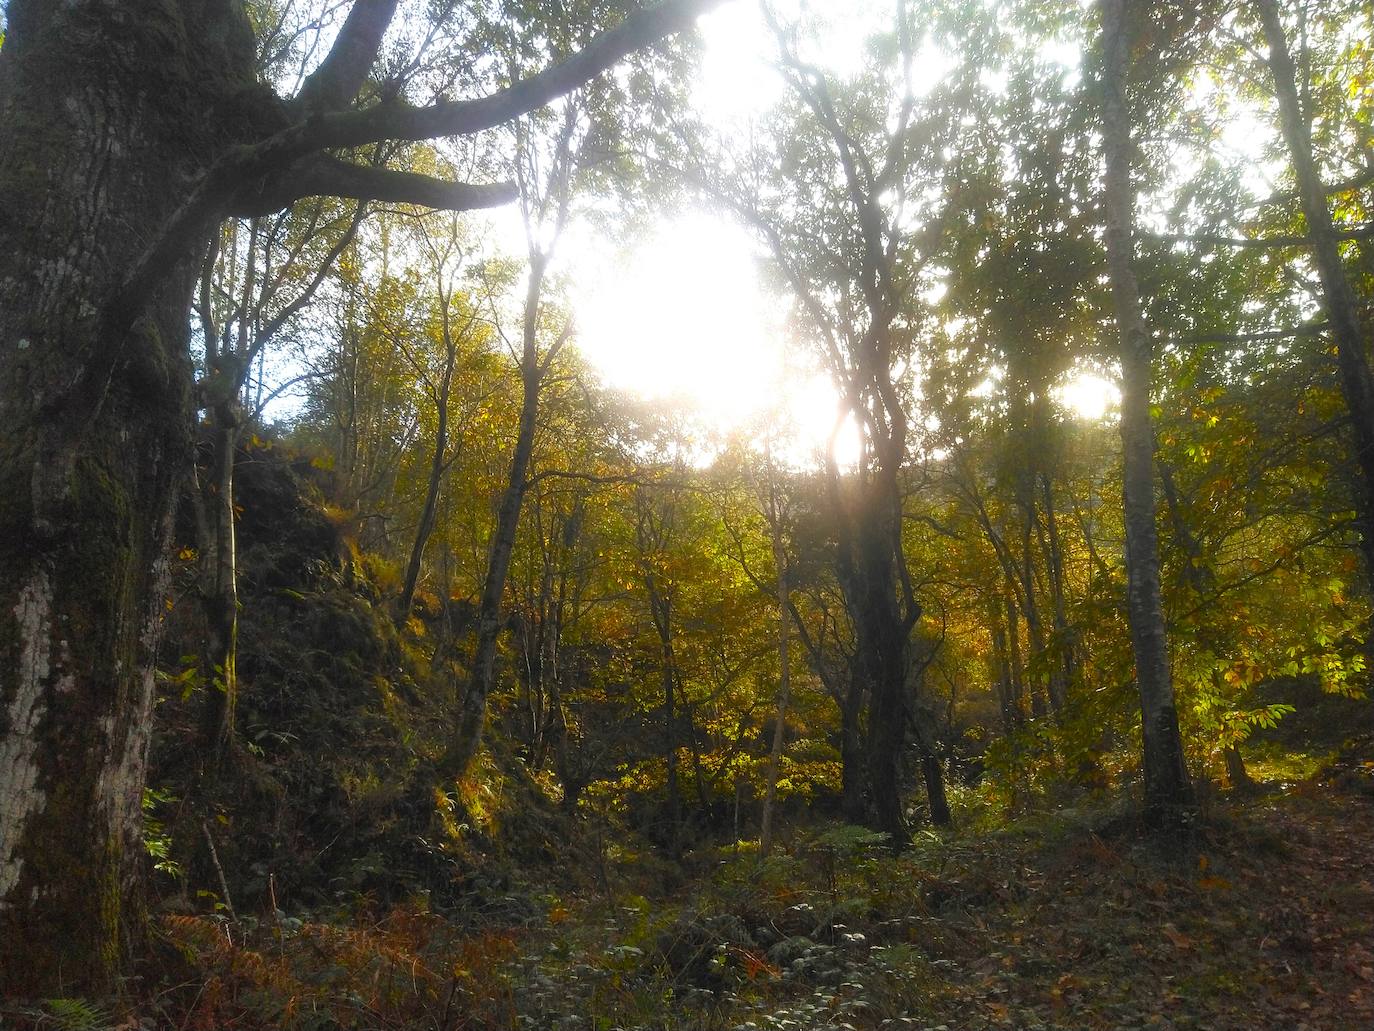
(104, 125)
(1168, 792)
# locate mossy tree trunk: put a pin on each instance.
(106, 120)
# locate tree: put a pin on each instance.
(846, 212)
(257, 278)
(457, 327)
(1168, 792)
(545, 205)
(1338, 299)
(126, 136)
(773, 505)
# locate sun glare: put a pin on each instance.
(681, 316)
(1089, 396)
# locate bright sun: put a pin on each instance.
(683, 317)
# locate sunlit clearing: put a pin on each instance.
(682, 317)
(1089, 396)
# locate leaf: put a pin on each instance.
(1177, 937)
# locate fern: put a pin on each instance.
(75, 1015)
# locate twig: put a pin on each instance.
(219, 872)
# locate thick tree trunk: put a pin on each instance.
(1338, 297)
(1168, 792)
(880, 646)
(105, 121)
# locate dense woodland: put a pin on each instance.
(369, 660)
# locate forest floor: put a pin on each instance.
(1269, 923)
(1068, 922)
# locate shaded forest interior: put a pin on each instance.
(373, 658)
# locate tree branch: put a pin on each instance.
(1311, 329)
(1343, 186)
(1212, 240)
(325, 176)
(396, 120)
(219, 189)
(336, 82)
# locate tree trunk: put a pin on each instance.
(1168, 792)
(1015, 668)
(438, 460)
(1041, 701)
(1001, 669)
(1062, 677)
(880, 644)
(220, 598)
(1337, 296)
(662, 619)
(853, 778)
(106, 119)
(466, 738)
(932, 774)
(1236, 772)
(784, 694)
